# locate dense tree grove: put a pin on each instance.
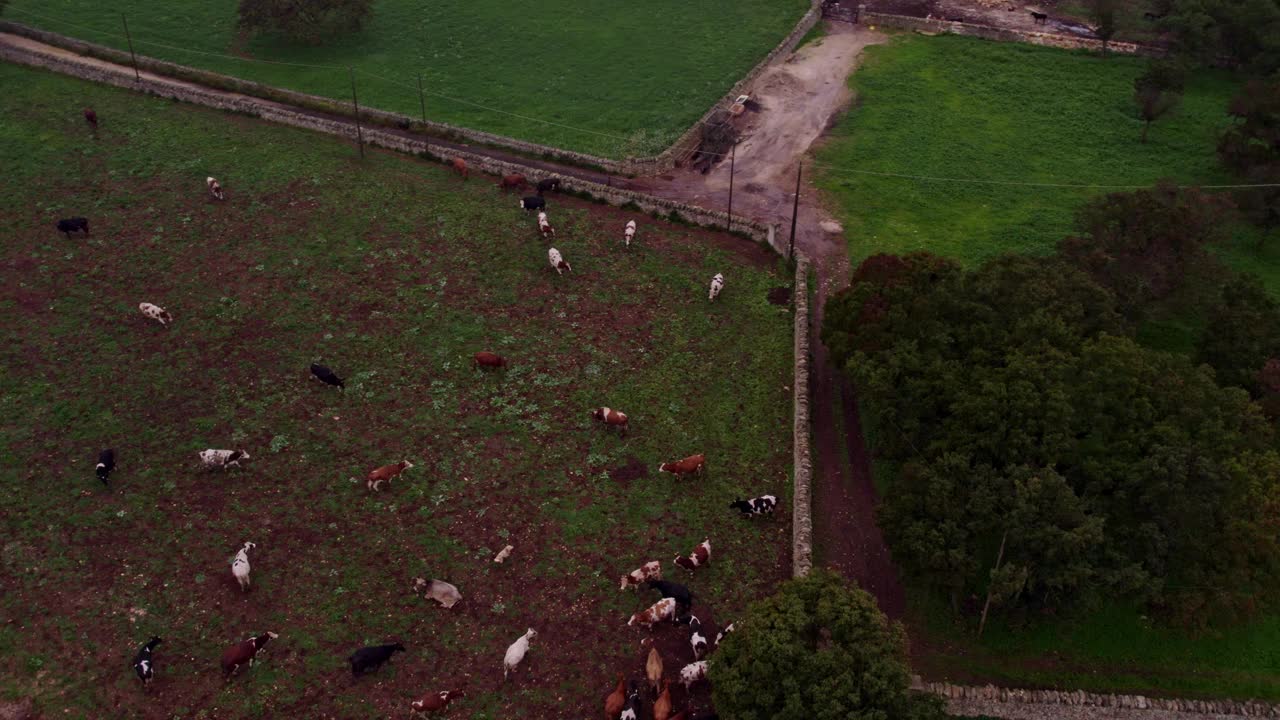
(817, 650)
(1251, 149)
(306, 21)
(1243, 32)
(1025, 423)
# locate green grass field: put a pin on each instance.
(632, 77)
(952, 107)
(393, 272)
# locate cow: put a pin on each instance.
(697, 641)
(91, 117)
(548, 184)
(724, 633)
(544, 226)
(75, 224)
(662, 706)
(692, 465)
(373, 657)
(717, 284)
(155, 312)
(431, 702)
(503, 554)
(243, 653)
(558, 262)
(533, 203)
(648, 571)
(222, 459)
(379, 475)
(442, 592)
(629, 232)
(1039, 18)
(240, 566)
(516, 181)
(762, 505)
(614, 701)
(693, 672)
(484, 359)
(683, 598)
(516, 652)
(612, 418)
(215, 189)
(459, 166)
(106, 463)
(700, 556)
(664, 609)
(632, 705)
(653, 667)
(327, 376)
(142, 664)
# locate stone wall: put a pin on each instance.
(987, 32)
(801, 500)
(959, 696)
(275, 112)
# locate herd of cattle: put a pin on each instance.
(675, 600)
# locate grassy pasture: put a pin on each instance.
(634, 75)
(953, 107)
(393, 272)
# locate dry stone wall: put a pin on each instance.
(801, 500)
(1046, 704)
(937, 25)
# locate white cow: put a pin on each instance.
(717, 284)
(557, 261)
(222, 458)
(214, 188)
(240, 566)
(155, 312)
(516, 652)
(629, 233)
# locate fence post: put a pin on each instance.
(356, 104)
(129, 37)
(795, 208)
(733, 154)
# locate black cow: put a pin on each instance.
(533, 203)
(142, 665)
(1039, 17)
(683, 598)
(327, 376)
(75, 224)
(548, 184)
(106, 463)
(372, 657)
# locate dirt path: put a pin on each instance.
(800, 97)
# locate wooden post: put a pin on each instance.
(982, 624)
(356, 103)
(733, 154)
(129, 37)
(795, 208)
(422, 103)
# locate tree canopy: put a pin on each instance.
(1251, 149)
(306, 21)
(817, 650)
(1019, 413)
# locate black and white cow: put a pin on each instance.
(223, 459)
(142, 664)
(762, 505)
(106, 463)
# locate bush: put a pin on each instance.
(306, 21)
(817, 650)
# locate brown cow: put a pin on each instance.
(485, 359)
(508, 182)
(379, 475)
(459, 166)
(243, 653)
(612, 418)
(694, 464)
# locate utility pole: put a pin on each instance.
(733, 154)
(356, 104)
(422, 103)
(127, 35)
(795, 208)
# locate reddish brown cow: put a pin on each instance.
(377, 476)
(693, 464)
(91, 117)
(243, 653)
(612, 418)
(516, 181)
(431, 702)
(459, 166)
(488, 360)
(701, 556)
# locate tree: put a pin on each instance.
(307, 21)
(1242, 335)
(1103, 13)
(1142, 245)
(817, 650)
(1242, 32)
(1157, 91)
(1251, 149)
